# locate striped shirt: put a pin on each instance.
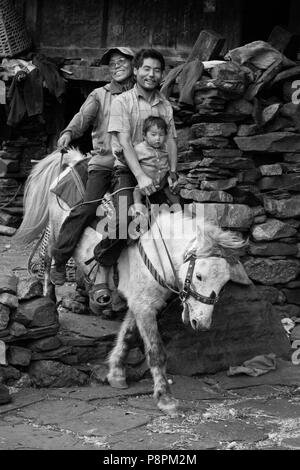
(95, 111)
(128, 113)
(154, 162)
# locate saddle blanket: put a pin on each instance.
(69, 185)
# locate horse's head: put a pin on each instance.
(216, 262)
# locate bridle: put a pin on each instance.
(186, 291)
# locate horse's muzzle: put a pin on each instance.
(200, 324)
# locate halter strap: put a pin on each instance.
(187, 290)
(177, 282)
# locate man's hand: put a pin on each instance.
(146, 185)
(173, 181)
(137, 209)
(64, 140)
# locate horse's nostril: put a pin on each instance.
(194, 324)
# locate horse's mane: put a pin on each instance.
(206, 238)
(211, 237)
(36, 212)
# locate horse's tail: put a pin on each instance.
(36, 193)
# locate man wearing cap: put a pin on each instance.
(95, 112)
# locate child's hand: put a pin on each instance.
(173, 181)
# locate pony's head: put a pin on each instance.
(216, 262)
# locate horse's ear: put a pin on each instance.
(238, 274)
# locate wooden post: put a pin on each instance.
(207, 47)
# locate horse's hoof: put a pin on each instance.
(168, 405)
(117, 383)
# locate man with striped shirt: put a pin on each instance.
(128, 113)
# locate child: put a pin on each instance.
(154, 160)
(153, 157)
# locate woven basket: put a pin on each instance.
(13, 35)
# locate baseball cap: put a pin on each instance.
(123, 50)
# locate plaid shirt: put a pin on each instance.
(128, 113)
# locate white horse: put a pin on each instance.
(202, 262)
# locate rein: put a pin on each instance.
(184, 292)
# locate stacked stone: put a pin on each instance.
(17, 156)
(239, 156)
(43, 346)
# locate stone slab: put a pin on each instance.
(231, 431)
(271, 142)
(206, 196)
(272, 249)
(141, 438)
(8, 283)
(192, 388)
(283, 208)
(36, 312)
(88, 326)
(32, 333)
(292, 443)
(205, 129)
(99, 392)
(24, 436)
(272, 229)
(56, 411)
(50, 373)
(233, 216)
(278, 407)
(81, 418)
(270, 271)
(106, 422)
(23, 398)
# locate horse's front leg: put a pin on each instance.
(117, 374)
(157, 360)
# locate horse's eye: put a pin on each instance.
(198, 276)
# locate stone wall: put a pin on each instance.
(47, 345)
(27, 144)
(239, 156)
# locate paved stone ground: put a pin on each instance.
(216, 412)
(261, 417)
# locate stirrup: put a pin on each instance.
(102, 295)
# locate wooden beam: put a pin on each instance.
(83, 72)
(207, 46)
(280, 38)
(31, 18)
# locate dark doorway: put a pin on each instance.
(260, 17)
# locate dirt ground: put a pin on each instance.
(216, 412)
